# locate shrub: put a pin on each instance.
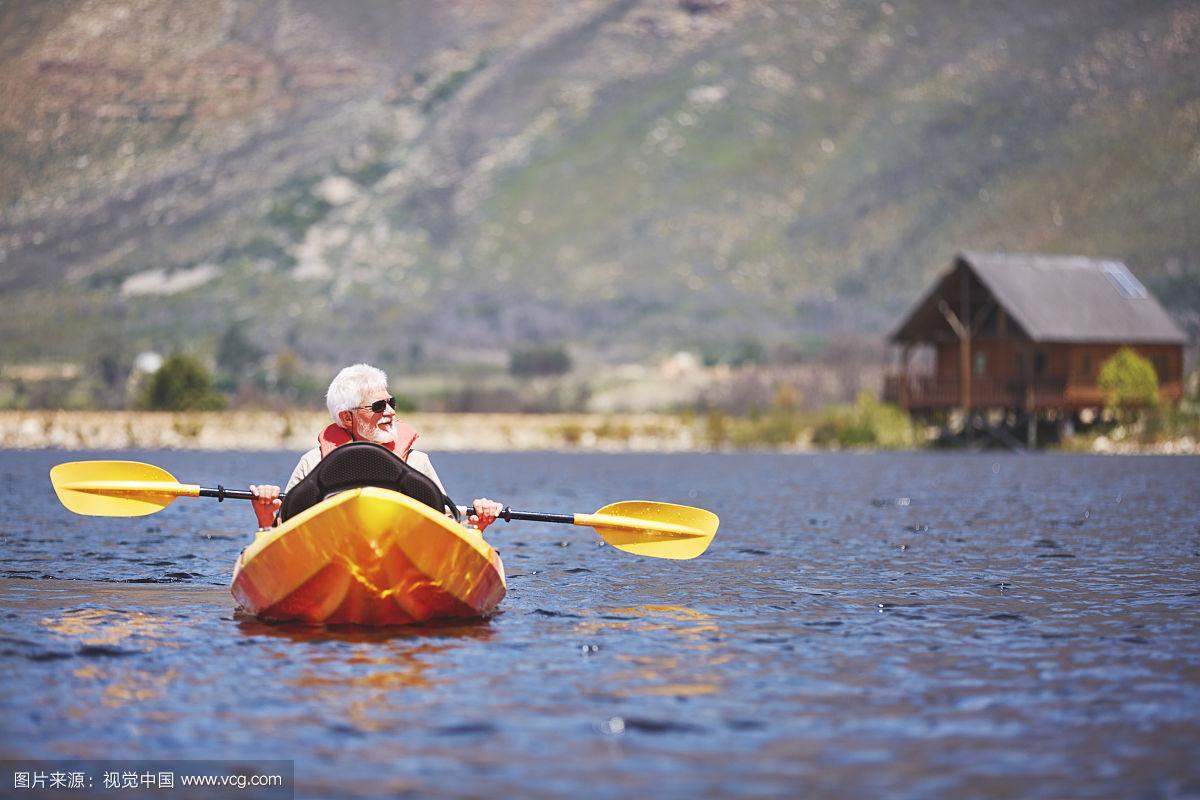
(534, 361)
(611, 429)
(181, 384)
(295, 209)
(779, 427)
(571, 432)
(1129, 383)
(716, 428)
(867, 422)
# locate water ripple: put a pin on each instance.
(934, 626)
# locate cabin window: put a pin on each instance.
(1039, 363)
(1160, 365)
(979, 366)
(1085, 365)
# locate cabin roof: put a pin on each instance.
(1055, 299)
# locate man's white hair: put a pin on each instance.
(351, 385)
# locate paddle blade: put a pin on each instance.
(115, 488)
(658, 530)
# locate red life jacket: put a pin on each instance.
(335, 435)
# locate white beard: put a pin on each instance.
(373, 433)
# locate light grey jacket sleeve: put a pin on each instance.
(305, 466)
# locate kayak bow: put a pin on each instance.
(369, 557)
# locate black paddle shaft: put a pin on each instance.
(508, 515)
(222, 494)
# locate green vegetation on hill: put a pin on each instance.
(627, 178)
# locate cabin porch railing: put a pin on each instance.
(931, 392)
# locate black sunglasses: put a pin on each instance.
(379, 405)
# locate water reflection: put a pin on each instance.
(363, 679)
(106, 627)
(692, 666)
(251, 625)
(120, 687)
(105, 636)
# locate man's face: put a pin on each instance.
(370, 425)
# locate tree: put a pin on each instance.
(295, 385)
(534, 361)
(236, 353)
(182, 383)
(109, 363)
(1129, 383)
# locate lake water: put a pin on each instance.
(901, 625)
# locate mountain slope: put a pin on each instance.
(444, 182)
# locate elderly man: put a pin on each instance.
(363, 410)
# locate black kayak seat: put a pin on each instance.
(358, 464)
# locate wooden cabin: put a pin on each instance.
(1028, 333)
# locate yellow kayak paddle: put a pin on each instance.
(642, 527)
(134, 489)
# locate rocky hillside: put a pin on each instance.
(427, 183)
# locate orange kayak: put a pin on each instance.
(369, 557)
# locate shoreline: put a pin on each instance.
(258, 431)
(297, 430)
